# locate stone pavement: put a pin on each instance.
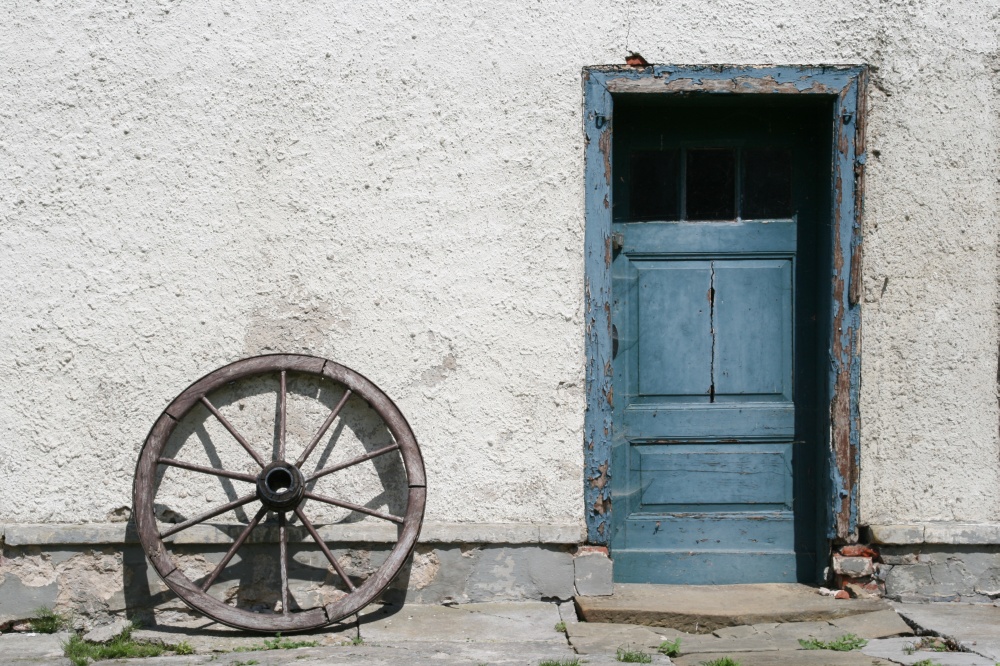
(527, 633)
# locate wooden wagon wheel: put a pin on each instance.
(280, 486)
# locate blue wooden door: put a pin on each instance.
(711, 442)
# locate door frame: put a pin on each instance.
(846, 86)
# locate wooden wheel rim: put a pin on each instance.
(144, 493)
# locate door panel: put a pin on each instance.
(715, 476)
(675, 329)
(708, 450)
(719, 532)
(753, 329)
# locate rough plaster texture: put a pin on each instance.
(400, 187)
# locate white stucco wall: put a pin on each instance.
(399, 186)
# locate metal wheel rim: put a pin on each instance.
(145, 488)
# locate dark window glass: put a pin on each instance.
(653, 194)
(767, 183)
(711, 184)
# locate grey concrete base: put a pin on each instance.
(95, 584)
(594, 575)
(705, 608)
(942, 572)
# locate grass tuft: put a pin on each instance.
(670, 648)
(721, 661)
(629, 656)
(183, 648)
(557, 662)
(279, 643)
(47, 621)
(845, 643)
(926, 662)
(81, 653)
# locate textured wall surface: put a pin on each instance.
(399, 187)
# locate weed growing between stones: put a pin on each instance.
(183, 648)
(47, 621)
(936, 644)
(721, 661)
(926, 662)
(561, 627)
(279, 643)
(670, 648)
(556, 662)
(81, 653)
(845, 643)
(630, 656)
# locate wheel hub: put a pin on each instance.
(280, 486)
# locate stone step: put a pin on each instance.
(701, 609)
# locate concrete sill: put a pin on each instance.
(952, 534)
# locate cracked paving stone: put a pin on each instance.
(483, 622)
(895, 649)
(788, 658)
(595, 638)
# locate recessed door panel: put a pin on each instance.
(752, 321)
(714, 477)
(675, 328)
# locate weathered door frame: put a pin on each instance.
(846, 86)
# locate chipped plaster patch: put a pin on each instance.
(31, 566)
(425, 568)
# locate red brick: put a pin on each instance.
(584, 550)
(857, 550)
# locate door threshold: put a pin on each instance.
(702, 609)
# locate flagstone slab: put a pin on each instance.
(702, 609)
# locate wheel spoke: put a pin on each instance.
(354, 507)
(172, 462)
(282, 416)
(229, 426)
(246, 499)
(323, 428)
(353, 461)
(326, 551)
(283, 557)
(232, 550)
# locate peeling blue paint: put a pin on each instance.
(598, 419)
(844, 83)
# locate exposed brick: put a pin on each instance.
(857, 550)
(584, 550)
